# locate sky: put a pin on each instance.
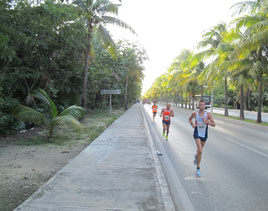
(164, 28)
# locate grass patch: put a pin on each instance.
(246, 120)
(38, 140)
(94, 123)
(93, 132)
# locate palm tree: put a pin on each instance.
(69, 116)
(213, 43)
(177, 69)
(240, 70)
(254, 40)
(191, 67)
(132, 64)
(96, 15)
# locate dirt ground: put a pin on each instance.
(27, 162)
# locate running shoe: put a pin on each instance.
(164, 135)
(166, 138)
(198, 173)
(195, 160)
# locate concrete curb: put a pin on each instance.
(180, 198)
(166, 195)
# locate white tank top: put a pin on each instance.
(201, 125)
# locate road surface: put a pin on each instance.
(234, 170)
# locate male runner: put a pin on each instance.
(167, 113)
(143, 102)
(202, 120)
(154, 107)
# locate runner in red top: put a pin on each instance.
(166, 113)
(154, 108)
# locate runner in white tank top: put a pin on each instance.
(202, 120)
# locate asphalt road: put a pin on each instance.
(234, 170)
(248, 114)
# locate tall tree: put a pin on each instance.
(96, 15)
(211, 42)
(254, 40)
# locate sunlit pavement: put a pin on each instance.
(234, 170)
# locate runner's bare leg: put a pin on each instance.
(200, 145)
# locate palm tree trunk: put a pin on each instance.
(175, 99)
(178, 98)
(50, 133)
(242, 117)
(226, 96)
(202, 92)
(186, 99)
(259, 120)
(86, 65)
(126, 94)
(248, 99)
(193, 101)
(189, 100)
(181, 99)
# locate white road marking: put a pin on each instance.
(196, 193)
(194, 178)
(247, 147)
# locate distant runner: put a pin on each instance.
(167, 113)
(154, 108)
(202, 120)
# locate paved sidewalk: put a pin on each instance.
(116, 172)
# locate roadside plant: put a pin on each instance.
(49, 115)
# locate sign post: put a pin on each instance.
(110, 103)
(110, 92)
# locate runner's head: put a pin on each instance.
(202, 105)
(154, 103)
(168, 105)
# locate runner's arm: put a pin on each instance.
(161, 112)
(211, 120)
(172, 113)
(191, 119)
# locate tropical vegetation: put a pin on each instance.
(49, 114)
(65, 49)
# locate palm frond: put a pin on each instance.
(252, 43)
(206, 54)
(107, 39)
(109, 8)
(100, 3)
(118, 22)
(247, 21)
(75, 111)
(43, 96)
(256, 28)
(28, 114)
(81, 4)
(246, 6)
(204, 43)
(67, 120)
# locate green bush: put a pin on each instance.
(8, 123)
(265, 109)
